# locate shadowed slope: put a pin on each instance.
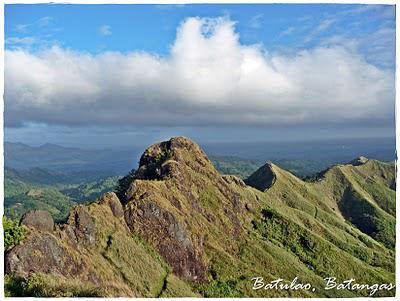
(263, 178)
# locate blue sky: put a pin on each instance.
(152, 28)
(284, 43)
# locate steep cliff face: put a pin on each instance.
(186, 230)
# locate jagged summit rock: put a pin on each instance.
(359, 161)
(171, 158)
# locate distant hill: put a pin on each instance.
(41, 189)
(183, 229)
(332, 150)
(38, 176)
(65, 160)
(235, 166)
(301, 158)
(91, 190)
(22, 194)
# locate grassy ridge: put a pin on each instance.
(295, 228)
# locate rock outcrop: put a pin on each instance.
(359, 161)
(80, 227)
(41, 253)
(263, 178)
(39, 220)
(169, 197)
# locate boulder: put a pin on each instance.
(38, 219)
(41, 253)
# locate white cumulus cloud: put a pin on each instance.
(209, 78)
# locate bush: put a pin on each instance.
(13, 286)
(13, 233)
(220, 289)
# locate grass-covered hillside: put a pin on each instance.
(183, 229)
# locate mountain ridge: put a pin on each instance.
(212, 232)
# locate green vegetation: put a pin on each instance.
(218, 289)
(303, 168)
(13, 233)
(90, 191)
(235, 166)
(58, 199)
(245, 167)
(196, 233)
(369, 218)
(39, 198)
(44, 285)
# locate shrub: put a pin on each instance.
(218, 289)
(13, 233)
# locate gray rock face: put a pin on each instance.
(38, 219)
(169, 237)
(80, 227)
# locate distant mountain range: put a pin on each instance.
(301, 158)
(64, 160)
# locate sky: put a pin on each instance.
(120, 75)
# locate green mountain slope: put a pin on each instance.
(40, 189)
(91, 190)
(38, 198)
(186, 229)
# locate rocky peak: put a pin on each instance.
(170, 158)
(188, 195)
(263, 178)
(359, 161)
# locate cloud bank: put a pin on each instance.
(209, 78)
